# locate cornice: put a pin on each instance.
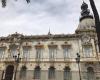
(16, 38)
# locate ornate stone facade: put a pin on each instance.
(52, 57)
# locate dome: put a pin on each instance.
(86, 24)
(87, 21)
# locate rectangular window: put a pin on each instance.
(2, 51)
(39, 52)
(87, 50)
(52, 52)
(26, 52)
(66, 52)
(14, 51)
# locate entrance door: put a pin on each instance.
(9, 72)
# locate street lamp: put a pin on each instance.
(17, 60)
(78, 61)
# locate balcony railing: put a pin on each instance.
(9, 59)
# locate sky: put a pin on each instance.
(40, 16)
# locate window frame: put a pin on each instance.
(52, 52)
(90, 73)
(2, 53)
(51, 73)
(39, 52)
(37, 72)
(66, 52)
(26, 54)
(23, 72)
(67, 73)
(87, 52)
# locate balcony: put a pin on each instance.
(9, 60)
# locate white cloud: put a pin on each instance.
(62, 16)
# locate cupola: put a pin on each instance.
(86, 21)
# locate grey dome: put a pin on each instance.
(86, 24)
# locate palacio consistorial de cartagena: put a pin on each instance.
(53, 56)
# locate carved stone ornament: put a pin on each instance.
(89, 64)
(86, 38)
(16, 37)
(87, 44)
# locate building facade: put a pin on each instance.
(52, 57)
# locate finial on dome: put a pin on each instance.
(83, 1)
(85, 11)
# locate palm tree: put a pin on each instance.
(4, 2)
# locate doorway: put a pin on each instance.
(9, 72)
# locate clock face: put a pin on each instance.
(86, 38)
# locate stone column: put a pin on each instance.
(13, 73)
(59, 75)
(29, 75)
(1, 74)
(44, 74)
(94, 47)
(18, 75)
(80, 47)
(75, 75)
(74, 71)
(59, 69)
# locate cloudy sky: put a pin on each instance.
(61, 16)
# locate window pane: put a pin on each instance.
(90, 73)
(14, 52)
(26, 52)
(67, 74)
(37, 73)
(51, 73)
(52, 53)
(39, 52)
(66, 52)
(87, 51)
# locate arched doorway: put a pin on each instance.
(23, 72)
(51, 73)
(37, 73)
(9, 72)
(90, 73)
(67, 73)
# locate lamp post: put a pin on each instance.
(78, 62)
(17, 60)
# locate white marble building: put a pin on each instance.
(51, 56)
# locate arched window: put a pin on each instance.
(90, 73)
(37, 72)
(9, 72)
(23, 72)
(51, 73)
(67, 73)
